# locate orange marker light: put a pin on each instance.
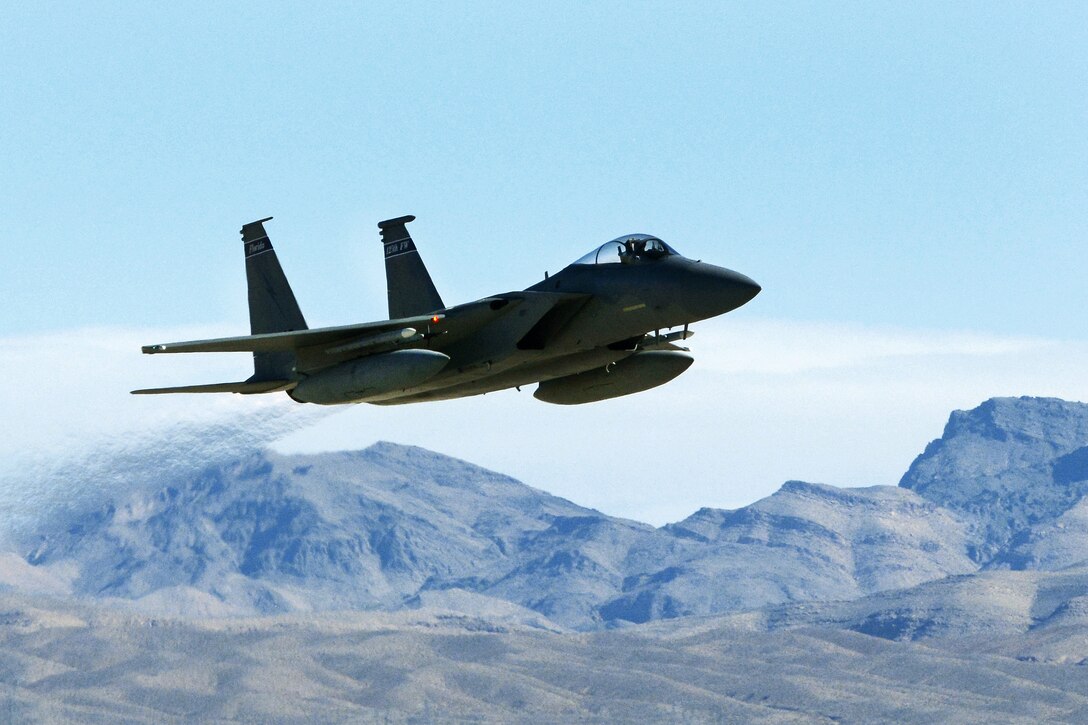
(435, 319)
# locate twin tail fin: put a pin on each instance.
(411, 291)
(272, 304)
(274, 309)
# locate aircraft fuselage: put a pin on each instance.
(614, 306)
(591, 332)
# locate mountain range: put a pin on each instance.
(395, 526)
(981, 549)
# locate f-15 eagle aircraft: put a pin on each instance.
(591, 332)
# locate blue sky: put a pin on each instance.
(916, 170)
(922, 164)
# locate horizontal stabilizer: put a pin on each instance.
(245, 388)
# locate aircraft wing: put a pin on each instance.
(355, 340)
(280, 341)
(320, 348)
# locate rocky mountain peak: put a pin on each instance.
(1030, 423)
(1006, 465)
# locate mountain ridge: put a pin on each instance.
(397, 583)
(392, 526)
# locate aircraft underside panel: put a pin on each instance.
(525, 369)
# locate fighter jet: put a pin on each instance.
(603, 327)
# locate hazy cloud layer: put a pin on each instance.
(767, 400)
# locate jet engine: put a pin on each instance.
(368, 377)
(641, 371)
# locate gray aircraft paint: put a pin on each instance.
(591, 332)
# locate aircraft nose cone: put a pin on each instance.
(712, 290)
(727, 290)
(744, 287)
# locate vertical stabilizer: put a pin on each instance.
(411, 291)
(272, 305)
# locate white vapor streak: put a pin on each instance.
(75, 437)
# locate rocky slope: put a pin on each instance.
(384, 527)
(805, 542)
(1008, 467)
(272, 533)
(72, 663)
(1028, 615)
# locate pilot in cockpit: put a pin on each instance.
(641, 249)
(628, 249)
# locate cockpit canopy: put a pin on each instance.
(629, 248)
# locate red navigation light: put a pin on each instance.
(435, 319)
